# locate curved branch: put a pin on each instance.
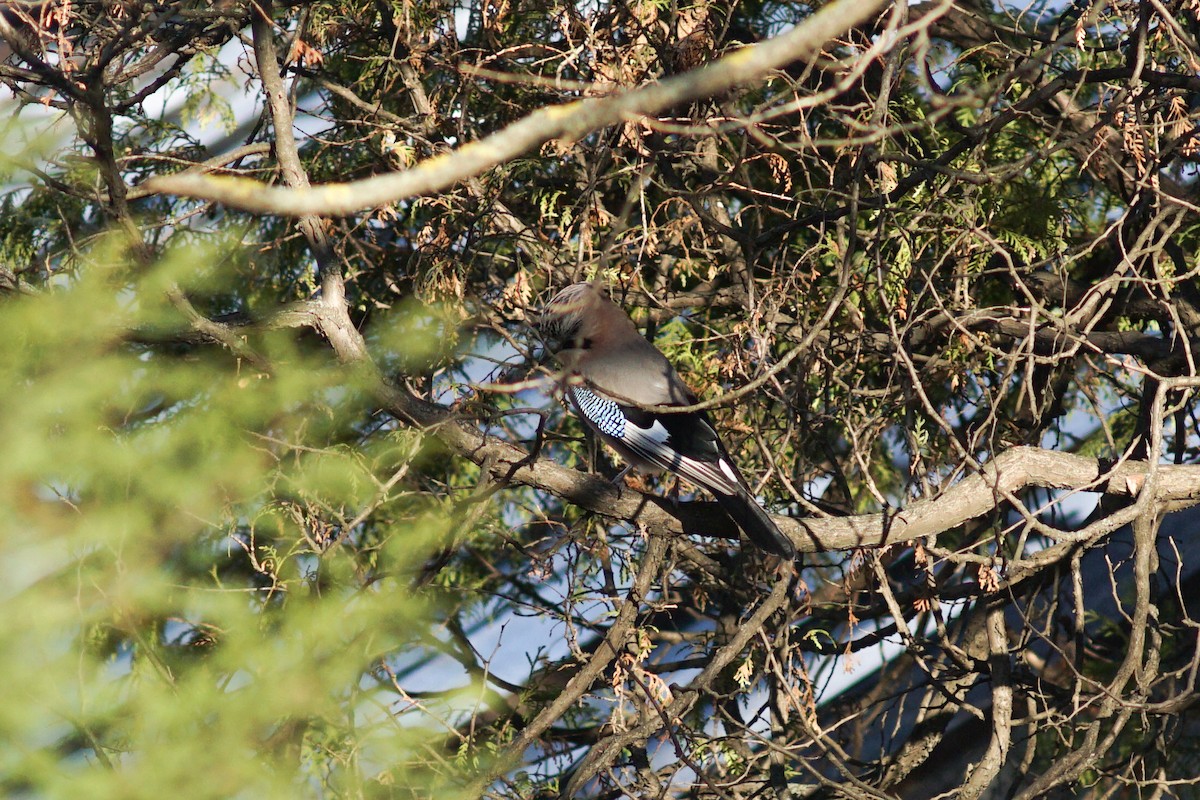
(1175, 488)
(570, 121)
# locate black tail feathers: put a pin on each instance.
(753, 520)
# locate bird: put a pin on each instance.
(612, 378)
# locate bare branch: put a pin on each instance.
(571, 121)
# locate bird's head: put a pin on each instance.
(567, 322)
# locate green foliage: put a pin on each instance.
(172, 627)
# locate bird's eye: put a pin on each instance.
(585, 344)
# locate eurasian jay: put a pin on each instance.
(614, 374)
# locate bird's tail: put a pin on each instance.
(752, 519)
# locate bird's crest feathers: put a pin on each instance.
(564, 315)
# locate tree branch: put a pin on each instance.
(1176, 488)
(570, 121)
(613, 644)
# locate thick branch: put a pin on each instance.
(571, 121)
(337, 326)
(1175, 488)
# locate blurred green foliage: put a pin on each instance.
(173, 624)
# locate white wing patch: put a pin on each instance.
(652, 445)
(727, 468)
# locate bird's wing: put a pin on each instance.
(685, 444)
